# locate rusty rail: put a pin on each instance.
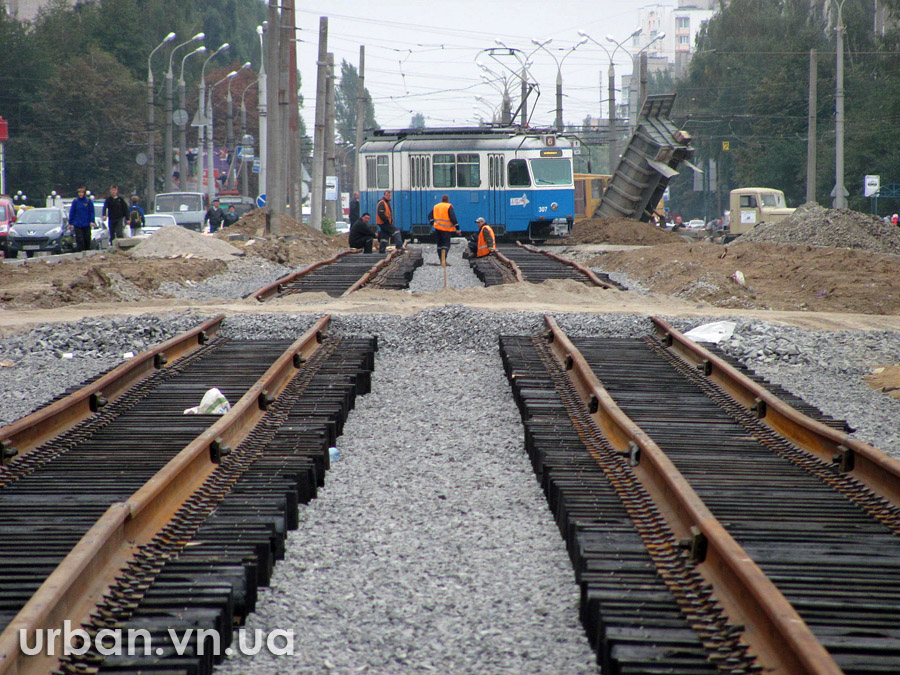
(571, 263)
(773, 629)
(509, 263)
(276, 287)
(24, 435)
(80, 580)
(365, 278)
(876, 470)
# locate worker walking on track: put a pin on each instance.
(443, 219)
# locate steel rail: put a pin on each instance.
(776, 633)
(872, 467)
(509, 263)
(78, 583)
(277, 286)
(571, 263)
(368, 276)
(26, 434)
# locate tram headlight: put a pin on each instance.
(554, 206)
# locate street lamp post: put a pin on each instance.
(229, 128)
(169, 80)
(522, 58)
(202, 130)
(638, 95)
(505, 106)
(182, 131)
(245, 178)
(262, 109)
(611, 74)
(151, 154)
(210, 152)
(559, 62)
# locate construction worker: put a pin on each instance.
(487, 242)
(443, 220)
(384, 218)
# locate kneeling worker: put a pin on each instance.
(486, 241)
(362, 233)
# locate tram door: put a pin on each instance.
(419, 175)
(496, 206)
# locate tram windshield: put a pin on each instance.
(552, 171)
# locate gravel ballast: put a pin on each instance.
(431, 547)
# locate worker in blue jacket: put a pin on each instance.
(81, 218)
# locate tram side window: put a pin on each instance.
(468, 171)
(371, 178)
(517, 169)
(444, 166)
(382, 173)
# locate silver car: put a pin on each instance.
(156, 221)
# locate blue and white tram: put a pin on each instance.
(519, 182)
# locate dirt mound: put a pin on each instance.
(623, 231)
(840, 228)
(174, 240)
(253, 224)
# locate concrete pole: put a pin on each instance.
(360, 117)
(229, 132)
(210, 150)
(318, 172)
(523, 117)
(643, 93)
(840, 198)
(262, 110)
(613, 154)
(559, 101)
(151, 154)
(168, 150)
(330, 163)
(245, 169)
(811, 133)
(293, 166)
(275, 197)
(201, 133)
(182, 139)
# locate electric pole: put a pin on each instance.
(360, 116)
(318, 172)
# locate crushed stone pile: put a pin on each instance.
(174, 241)
(837, 228)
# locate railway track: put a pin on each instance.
(119, 513)
(712, 528)
(346, 272)
(512, 263)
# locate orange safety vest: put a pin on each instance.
(441, 215)
(387, 212)
(483, 247)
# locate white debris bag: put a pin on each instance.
(212, 403)
(712, 332)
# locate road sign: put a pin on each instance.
(872, 185)
(261, 200)
(256, 164)
(180, 117)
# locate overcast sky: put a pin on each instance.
(421, 56)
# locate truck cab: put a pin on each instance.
(752, 206)
(188, 208)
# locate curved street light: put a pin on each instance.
(229, 126)
(169, 79)
(559, 62)
(151, 154)
(611, 73)
(203, 131)
(633, 109)
(182, 130)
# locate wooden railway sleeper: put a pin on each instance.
(675, 568)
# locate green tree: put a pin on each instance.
(417, 121)
(345, 103)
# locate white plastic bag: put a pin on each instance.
(212, 403)
(712, 332)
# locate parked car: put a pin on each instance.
(156, 221)
(341, 227)
(7, 218)
(40, 230)
(696, 224)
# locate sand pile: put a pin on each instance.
(838, 228)
(176, 241)
(623, 231)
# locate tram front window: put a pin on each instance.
(552, 171)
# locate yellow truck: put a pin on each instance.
(755, 205)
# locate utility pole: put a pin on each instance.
(360, 117)
(840, 192)
(262, 110)
(613, 154)
(293, 167)
(318, 172)
(275, 198)
(330, 168)
(811, 133)
(642, 96)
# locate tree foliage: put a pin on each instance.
(345, 102)
(748, 85)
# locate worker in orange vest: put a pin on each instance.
(384, 218)
(487, 242)
(443, 219)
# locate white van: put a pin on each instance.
(188, 208)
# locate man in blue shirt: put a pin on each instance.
(81, 218)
